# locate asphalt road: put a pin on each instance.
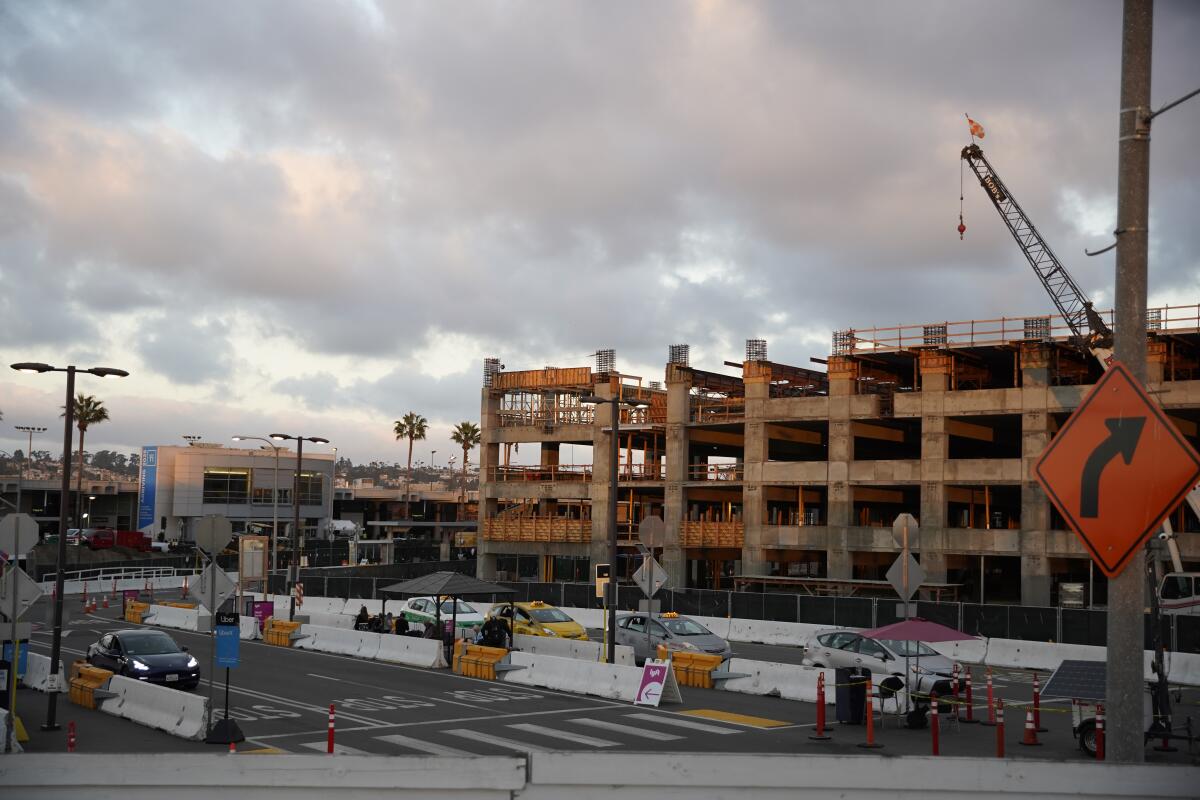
(281, 698)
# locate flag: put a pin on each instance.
(976, 128)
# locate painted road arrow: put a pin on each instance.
(1123, 435)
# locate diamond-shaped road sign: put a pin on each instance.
(1116, 469)
(652, 532)
(905, 530)
(26, 587)
(916, 576)
(650, 576)
(201, 590)
(18, 533)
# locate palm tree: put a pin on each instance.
(88, 411)
(466, 434)
(411, 427)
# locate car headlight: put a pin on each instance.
(548, 632)
(192, 662)
(139, 666)
(683, 646)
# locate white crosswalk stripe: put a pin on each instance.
(629, 730)
(498, 741)
(338, 749)
(681, 723)
(566, 736)
(422, 746)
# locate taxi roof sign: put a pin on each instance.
(1117, 468)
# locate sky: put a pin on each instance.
(315, 217)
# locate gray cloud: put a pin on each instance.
(186, 352)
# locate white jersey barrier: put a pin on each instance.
(249, 628)
(178, 713)
(3, 729)
(184, 619)
(37, 673)
(788, 681)
(360, 644)
(412, 651)
(614, 681)
(328, 620)
(571, 648)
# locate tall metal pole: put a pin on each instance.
(56, 643)
(1126, 592)
(274, 515)
(612, 533)
(294, 567)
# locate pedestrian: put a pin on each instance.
(360, 622)
(401, 625)
(389, 623)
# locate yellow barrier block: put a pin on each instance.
(85, 680)
(694, 669)
(278, 632)
(477, 661)
(188, 606)
(135, 611)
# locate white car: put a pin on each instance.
(419, 610)
(847, 649)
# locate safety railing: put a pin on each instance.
(717, 409)
(716, 472)
(121, 573)
(540, 473)
(655, 471)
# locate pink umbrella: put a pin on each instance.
(918, 630)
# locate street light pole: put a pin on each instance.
(68, 422)
(31, 430)
(294, 567)
(274, 495)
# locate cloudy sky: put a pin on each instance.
(316, 216)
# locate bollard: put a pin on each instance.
(1000, 732)
(934, 730)
(114, 589)
(1031, 732)
(329, 748)
(954, 687)
(870, 743)
(991, 720)
(71, 737)
(820, 735)
(1099, 733)
(184, 589)
(85, 597)
(1037, 706)
(970, 700)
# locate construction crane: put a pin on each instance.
(1091, 335)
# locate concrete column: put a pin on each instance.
(755, 453)
(489, 457)
(1035, 511)
(841, 453)
(548, 507)
(601, 475)
(679, 386)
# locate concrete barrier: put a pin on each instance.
(614, 681)
(249, 628)
(787, 681)
(328, 619)
(571, 648)
(37, 673)
(410, 650)
(184, 619)
(360, 644)
(16, 746)
(1043, 656)
(969, 652)
(171, 710)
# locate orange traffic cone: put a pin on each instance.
(1030, 729)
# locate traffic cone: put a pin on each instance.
(1037, 705)
(820, 735)
(104, 601)
(870, 743)
(232, 748)
(184, 589)
(1030, 730)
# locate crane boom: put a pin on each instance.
(1088, 328)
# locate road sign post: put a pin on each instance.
(227, 632)
(906, 577)
(13, 529)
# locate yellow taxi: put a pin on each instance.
(536, 618)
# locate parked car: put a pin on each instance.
(670, 629)
(536, 618)
(419, 610)
(847, 649)
(160, 547)
(98, 538)
(145, 655)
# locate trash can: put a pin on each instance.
(851, 695)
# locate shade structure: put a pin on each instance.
(451, 584)
(918, 630)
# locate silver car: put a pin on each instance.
(850, 650)
(670, 629)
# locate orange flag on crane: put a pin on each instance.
(976, 128)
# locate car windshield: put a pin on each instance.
(681, 626)
(904, 648)
(463, 608)
(149, 644)
(548, 615)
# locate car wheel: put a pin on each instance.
(1087, 737)
(818, 665)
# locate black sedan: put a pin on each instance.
(146, 655)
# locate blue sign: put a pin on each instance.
(23, 660)
(228, 641)
(147, 487)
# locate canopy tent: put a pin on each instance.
(445, 584)
(919, 630)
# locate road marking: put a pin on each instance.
(263, 751)
(423, 746)
(631, 730)
(498, 741)
(736, 719)
(681, 723)
(338, 749)
(566, 736)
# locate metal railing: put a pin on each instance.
(716, 472)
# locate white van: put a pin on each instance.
(1179, 593)
(341, 529)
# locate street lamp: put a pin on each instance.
(31, 430)
(68, 422)
(88, 515)
(616, 403)
(192, 438)
(294, 570)
(274, 492)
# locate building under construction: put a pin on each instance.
(774, 475)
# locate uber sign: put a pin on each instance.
(228, 631)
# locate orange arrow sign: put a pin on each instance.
(1116, 469)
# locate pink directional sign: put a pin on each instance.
(658, 684)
